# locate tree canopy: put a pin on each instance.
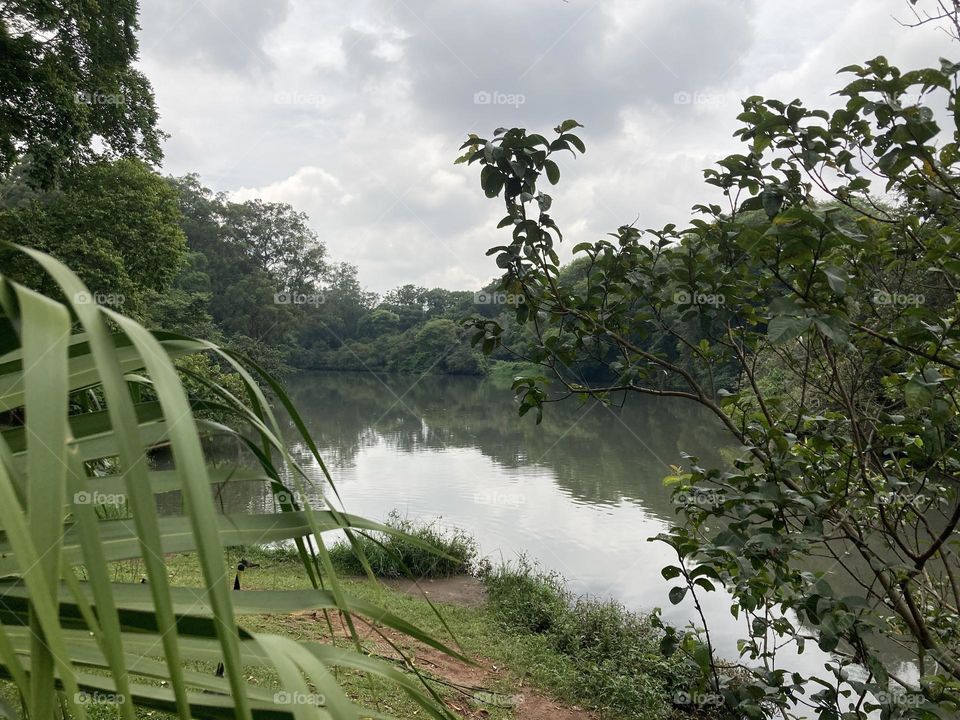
(815, 313)
(71, 94)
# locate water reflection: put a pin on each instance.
(579, 494)
(596, 455)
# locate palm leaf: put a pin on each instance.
(65, 626)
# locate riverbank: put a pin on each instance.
(538, 655)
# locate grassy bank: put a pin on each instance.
(530, 633)
(581, 652)
(455, 553)
(591, 652)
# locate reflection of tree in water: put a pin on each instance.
(598, 454)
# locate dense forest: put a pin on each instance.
(254, 276)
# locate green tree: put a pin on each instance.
(117, 223)
(843, 328)
(70, 92)
(256, 260)
(378, 322)
(275, 239)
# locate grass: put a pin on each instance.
(581, 651)
(592, 652)
(447, 552)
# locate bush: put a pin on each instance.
(615, 663)
(451, 552)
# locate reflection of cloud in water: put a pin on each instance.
(579, 494)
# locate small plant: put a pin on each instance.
(612, 658)
(427, 551)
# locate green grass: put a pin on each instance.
(591, 652)
(393, 556)
(582, 652)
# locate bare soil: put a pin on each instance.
(461, 590)
(472, 682)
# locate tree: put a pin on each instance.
(261, 263)
(276, 240)
(70, 92)
(116, 222)
(843, 330)
(378, 322)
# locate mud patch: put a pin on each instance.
(461, 590)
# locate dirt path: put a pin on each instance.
(462, 590)
(473, 682)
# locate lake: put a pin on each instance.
(579, 494)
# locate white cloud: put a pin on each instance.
(354, 112)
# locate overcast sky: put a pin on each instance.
(353, 111)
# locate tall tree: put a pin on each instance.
(117, 223)
(844, 330)
(70, 92)
(277, 240)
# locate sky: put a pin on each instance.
(353, 112)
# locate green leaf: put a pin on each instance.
(784, 328)
(567, 125)
(836, 278)
(491, 180)
(917, 393)
(553, 171)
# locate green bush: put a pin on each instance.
(447, 552)
(613, 654)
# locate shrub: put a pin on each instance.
(615, 663)
(447, 552)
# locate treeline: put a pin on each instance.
(250, 275)
(254, 277)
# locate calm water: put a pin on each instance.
(580, 494)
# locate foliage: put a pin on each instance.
(438, 553)
(70, 89)
(840, 520)
(116, 223)
(271, 290)
(615, 654)
(88, 398)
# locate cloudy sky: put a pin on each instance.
(353, 111)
